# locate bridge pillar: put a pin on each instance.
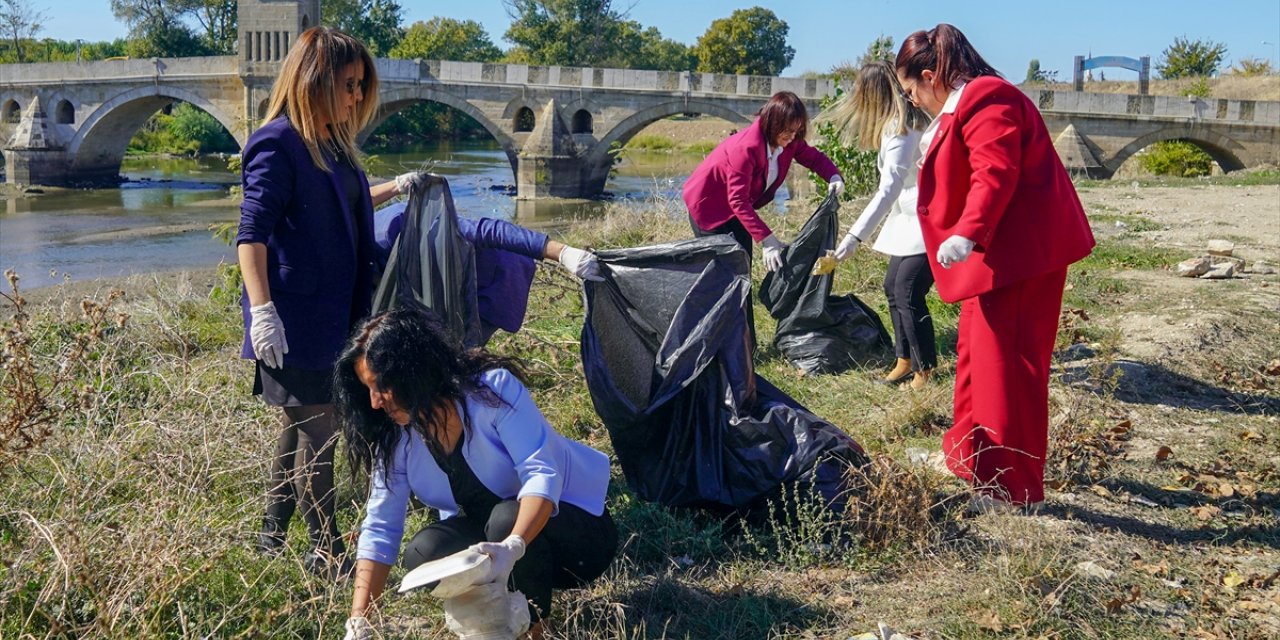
(551, 164)
(34, 155)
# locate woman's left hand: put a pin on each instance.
(836, 186)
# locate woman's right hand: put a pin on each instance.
(772, 254)
(266, 334)
(847, 247)
(358, 628)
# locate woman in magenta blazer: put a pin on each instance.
(1001, 222)
(744, 172)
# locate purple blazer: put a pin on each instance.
(505, 256)
(320, 256)
(730, 181)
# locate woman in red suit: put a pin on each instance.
(744, 172)
(1001, 222)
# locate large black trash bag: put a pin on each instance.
(666, 356)
(432, 264)
(819, 332)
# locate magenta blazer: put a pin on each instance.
(730, 181)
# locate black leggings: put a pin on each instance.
(573, 549)
(302, 473)
(906, 284)
(740, 234)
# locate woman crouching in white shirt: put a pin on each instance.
(459, 431)
(877, 116)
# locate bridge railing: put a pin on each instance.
(451, 72)
(1123, 105)
(45, 73)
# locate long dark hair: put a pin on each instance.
(944, 50)
(412, 356)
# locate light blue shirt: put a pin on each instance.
(511, 448)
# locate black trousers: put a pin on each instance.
(573, 549)
(906, 284)
(740, 234)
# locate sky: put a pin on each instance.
(825, 33)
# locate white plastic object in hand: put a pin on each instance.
(405, 181)
(266, 335)
(954, 249)
(836, 186)
(450, 575)
(772, 254)
(580, 263)
(502, 555)
(487, 612)
(358, 628)
(847, 246)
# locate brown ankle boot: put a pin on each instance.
(921, 379)
(899, 373)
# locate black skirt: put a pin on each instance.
(292, 387)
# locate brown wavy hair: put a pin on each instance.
(306, 91)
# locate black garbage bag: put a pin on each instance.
(667, 360)
(432, 264)
(819, 332)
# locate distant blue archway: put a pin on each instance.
(1141, 65)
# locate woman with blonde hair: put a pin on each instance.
(306, 251)
(877, 116)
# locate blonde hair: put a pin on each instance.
(307, 93)
(876, 101)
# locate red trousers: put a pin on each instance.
(1001, 426)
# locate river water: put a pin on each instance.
(161, 218)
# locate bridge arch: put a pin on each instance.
(599, 160)
(394, 101)
(1222, 149)
(99, 144)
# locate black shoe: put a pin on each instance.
(327, 566)
(271, 539)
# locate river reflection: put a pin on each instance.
(160, 219)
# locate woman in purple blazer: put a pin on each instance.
(744, 172)
(306, 251)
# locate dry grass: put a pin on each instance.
(1231, 87)
(133, 518)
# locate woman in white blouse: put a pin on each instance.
(877, 116)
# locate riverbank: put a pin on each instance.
(1163, 468)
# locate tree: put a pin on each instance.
(579, 33)
(1036, 74)
(375, 22)
(1191, 58)
(751, 41)
(1252, 67)
(447, 39)
(880, 49)
(156, 28)
(636, 47)
(20, 21)
(218, 20)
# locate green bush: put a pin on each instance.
(184, 130)
(1177, 158)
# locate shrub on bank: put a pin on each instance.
(1177, 158)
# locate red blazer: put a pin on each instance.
(730, 181)
(992, 175)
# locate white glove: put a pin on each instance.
(954, 249)
(847, 247)
(358, 628)
(405, 181)
(266, 335)
(772, 254)
(502, 558)
(836, 185)
(580, 263)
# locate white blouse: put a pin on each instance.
(894, 201)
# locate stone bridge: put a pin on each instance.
(70, 123)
